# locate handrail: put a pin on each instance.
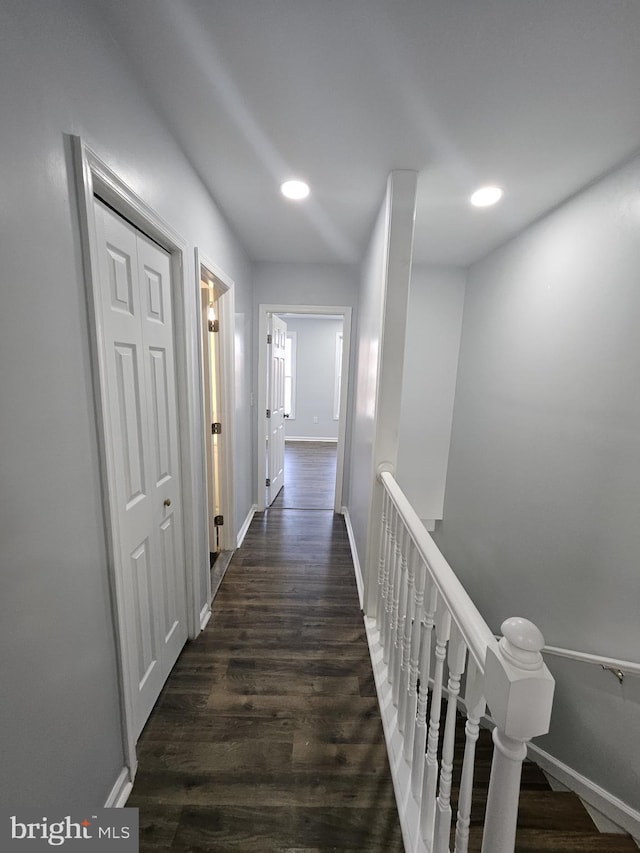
(477, 634)
(430, 648)
(626, 667)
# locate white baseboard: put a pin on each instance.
(120, 791)
(593, 795)
(245, 526)
(408, 811)
(310, 438)
(354, 556)
(205, 615)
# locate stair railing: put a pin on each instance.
(425, 626)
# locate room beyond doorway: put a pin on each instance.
(310, 476)
(265, 494)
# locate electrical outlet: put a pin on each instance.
(315, 419)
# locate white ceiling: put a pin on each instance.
(539, 96)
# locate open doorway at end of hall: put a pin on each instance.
(304, 387)
(217, 316)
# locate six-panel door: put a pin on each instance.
(142, 439)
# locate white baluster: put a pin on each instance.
(406, 634)
(519, 692)
(456, 658)
(414, 657)
(420, 736)
(388, 579)
(400, 606)
(475, 705)
(382, 559)
(427, 812)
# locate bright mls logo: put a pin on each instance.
(99, 829)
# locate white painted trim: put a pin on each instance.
(226, 306)
(408, 811)
(93, 176)
(245, 525)
(205, 615)
(263, 311)
(334, 440)
(603, 801)
(120, 792)
(354, 555)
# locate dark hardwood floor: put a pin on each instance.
(267, 735)
(309, 476)
(548, 821)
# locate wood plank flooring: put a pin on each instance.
(267, 736)
(309, 476)
(548, 821)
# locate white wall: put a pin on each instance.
(367, 346)
(60, 716)
(434, 324)
(315, 377)
(543, 489)
(305, 284)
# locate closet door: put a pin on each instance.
(141, 433)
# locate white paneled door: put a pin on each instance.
(141, 431)
(276, 342)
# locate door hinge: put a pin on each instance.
(268, 482)
(268, 413)
(218, 520)
(214, 325)
(216, 429)
(269, 339)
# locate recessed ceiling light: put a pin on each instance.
(295, 189)
(486, 196)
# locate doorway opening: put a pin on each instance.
(303, 371)
(217, 332)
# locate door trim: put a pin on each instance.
(226, 309)
(94, 177)
(339, 310)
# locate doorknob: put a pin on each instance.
(167, 501)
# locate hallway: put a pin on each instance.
(267, 735)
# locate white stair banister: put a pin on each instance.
(427, 627)
(519, 692)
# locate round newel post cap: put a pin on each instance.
(385, 468)
(522, 643)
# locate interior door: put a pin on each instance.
(213, 409)
(142, 439)
(277, 337)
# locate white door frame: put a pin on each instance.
(94, 177)
(227, 316)
(340, 311)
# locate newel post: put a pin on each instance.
(519, 693)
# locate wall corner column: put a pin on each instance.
(400, 203)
